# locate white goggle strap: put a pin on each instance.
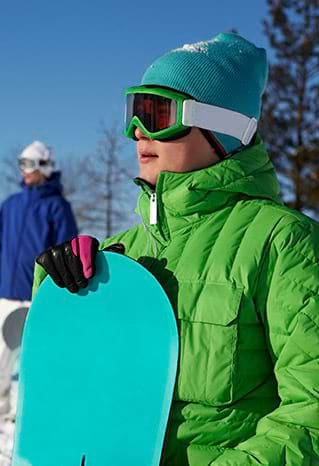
(219, 119)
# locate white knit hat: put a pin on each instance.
(41, 155)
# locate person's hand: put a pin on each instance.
(72, 264)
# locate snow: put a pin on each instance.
(7, 427)
(198, 47)
(9, 369)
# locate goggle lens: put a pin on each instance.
(27, 164)
(154, 111)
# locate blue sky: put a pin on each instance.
(65, 64)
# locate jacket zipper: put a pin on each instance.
(151, 241)
(153, 209)
(153, 217)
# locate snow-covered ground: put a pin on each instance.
(12, 315)
(7, 427)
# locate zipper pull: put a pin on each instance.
(153, 209)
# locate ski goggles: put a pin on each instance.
(30, 165)
(163, 114)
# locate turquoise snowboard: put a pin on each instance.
(97, 371)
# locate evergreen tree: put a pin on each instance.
(290, 121)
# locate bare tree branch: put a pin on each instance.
(100, 185)
(290, 108)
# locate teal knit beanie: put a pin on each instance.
(227, 71)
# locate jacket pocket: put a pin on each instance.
(208, 319)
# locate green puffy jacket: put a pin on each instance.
(242, 273)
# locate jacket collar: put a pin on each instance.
(51, 187)
(183, 198)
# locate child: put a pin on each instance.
(241, 270)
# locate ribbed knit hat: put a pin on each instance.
(227, 71)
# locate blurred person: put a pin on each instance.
(33, 219)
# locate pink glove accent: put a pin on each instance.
(82, 247)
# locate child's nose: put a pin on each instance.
(139, 134)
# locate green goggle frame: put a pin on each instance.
(157, 112)
(162, 113)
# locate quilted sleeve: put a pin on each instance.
(38, 277)
(290, 434)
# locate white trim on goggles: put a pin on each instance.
(224, 121)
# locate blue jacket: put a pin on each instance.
(30, 222)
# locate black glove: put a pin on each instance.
(72, 264)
